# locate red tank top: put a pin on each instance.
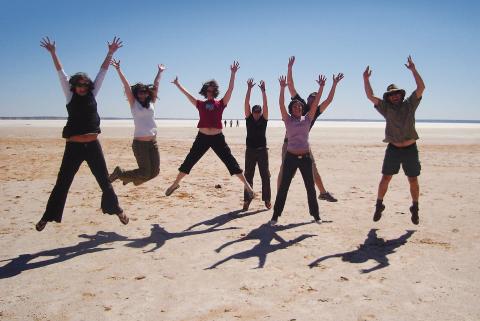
(210, 112)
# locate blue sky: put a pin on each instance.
(198, 40)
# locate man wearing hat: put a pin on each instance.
(257, 151)
(401, 136)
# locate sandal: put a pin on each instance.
(41, 225)
(414, 211)
(123, 218)
(246, 205)
(171, 189)
(268, 204)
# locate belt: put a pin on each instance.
(307, 155)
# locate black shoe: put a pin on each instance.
(246, 205)
(378, 212)
(115, 174)
(41, 225)
(414, 211)
(327, 197)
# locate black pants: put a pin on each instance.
(202, 144)
(252, 157)
(290, 165)
(73, 157)
(148, 160)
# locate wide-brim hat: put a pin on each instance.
(392, 88)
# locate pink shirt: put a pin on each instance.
(210, 112)
(297, 133)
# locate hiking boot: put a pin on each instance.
(414, 211)
(378, 212)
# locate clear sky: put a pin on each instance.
(197, 40)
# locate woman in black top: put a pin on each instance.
(80, 132)
(257, 151)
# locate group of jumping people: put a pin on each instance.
(83, 127)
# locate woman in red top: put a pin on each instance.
(210, 131)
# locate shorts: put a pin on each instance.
(406, 156)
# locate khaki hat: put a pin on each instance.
(392, 88)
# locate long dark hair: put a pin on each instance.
(211, 83)
(142, 87)
(75, 79)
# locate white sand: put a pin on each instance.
(91, 267)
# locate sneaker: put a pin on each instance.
(414, 211)
(378, 212)
(115, 174)
(327, 197)
(272, 222)
(318, 221)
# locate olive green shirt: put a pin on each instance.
(400, 119)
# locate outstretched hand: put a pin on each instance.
(321, 80)
(262, 85)
(48, 44)
(235, 66)
(116, 43)
(250, 83)
(410, 65)
(283, 81)
(115, 63)
(337, 78)
(175, 81)
(367, 73)
(291, 61)
(161, 67)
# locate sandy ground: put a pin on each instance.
(159, 267)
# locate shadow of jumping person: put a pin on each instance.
(373, 248)
(24, 261)
(265, 234)
(224, 219)
(159, 236)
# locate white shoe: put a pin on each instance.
(319, 221)
(272, 223)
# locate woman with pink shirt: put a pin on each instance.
(298, 150)
(210, 131)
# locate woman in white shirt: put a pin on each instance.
(141, 99)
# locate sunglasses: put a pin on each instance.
(257, 111)
(210, 91)
(82, 85)
(143, 91)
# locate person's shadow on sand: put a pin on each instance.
(224, 219)
(159, 236)
(373, 248)
(265, 234)
(24, 261)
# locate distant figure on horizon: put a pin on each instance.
(256, 151)
(81, 133)
(324, 194)
(401, 136)
(238, 124)
(298, 154)
(225, 123)
(231, 123)
(210, 131)
(141, 98)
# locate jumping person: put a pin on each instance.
(298, 150)
(401, 136)
(324, 194)
(141, 98)
(80, 132)
(256, 151)
(210, 131)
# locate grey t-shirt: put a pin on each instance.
(400, 119)
(297, 132)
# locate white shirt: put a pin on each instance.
(144, 120)
(66, 85)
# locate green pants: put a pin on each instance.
(148, 160)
